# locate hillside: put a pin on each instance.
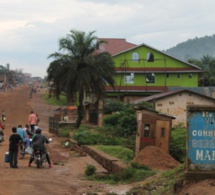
(194, 48)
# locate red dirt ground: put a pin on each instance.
(156, 158)
(67, 175)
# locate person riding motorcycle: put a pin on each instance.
(39, 140)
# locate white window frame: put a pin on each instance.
(135, 57)
(129, 78)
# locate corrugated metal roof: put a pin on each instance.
(166, 94)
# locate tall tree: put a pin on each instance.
(78, 68)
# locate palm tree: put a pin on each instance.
(79, 68)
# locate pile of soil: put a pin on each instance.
(156, 159)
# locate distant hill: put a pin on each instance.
(194, 48)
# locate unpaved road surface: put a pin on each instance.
(66, 177)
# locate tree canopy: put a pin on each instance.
(78, 68)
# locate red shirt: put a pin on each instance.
(32, 119)
(2, 126)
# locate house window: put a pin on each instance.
(167, 75)
(129, 78)
(159, 105)
(190, 75)
(150, 78)
(150, 57)
(162, 132)
(171, 103)
(178, 75)
(146, 130)
(135, 57)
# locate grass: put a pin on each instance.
(120, 152)
(163, 184)
(53, 101)
(64, 132)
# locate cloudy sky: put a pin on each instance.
(30, 30)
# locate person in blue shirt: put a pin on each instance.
(22, 133)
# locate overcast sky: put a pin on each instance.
(30, 30)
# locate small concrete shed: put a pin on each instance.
(153, 129)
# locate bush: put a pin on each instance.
(178, 144)
(112, 105)
(111, 120)
(64, 132)
(122, 123)
(85, 137)
(90, 170)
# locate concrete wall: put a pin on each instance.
(176, 105)
(111, 164)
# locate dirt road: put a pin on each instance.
(67, 175)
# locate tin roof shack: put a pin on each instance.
(153, 129)
(200, 159)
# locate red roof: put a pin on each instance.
(114, 46)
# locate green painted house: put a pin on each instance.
(143, 70)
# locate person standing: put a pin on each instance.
(21, 132)
(1, 132)
(32, 120)
(3, 116)
(14, 141)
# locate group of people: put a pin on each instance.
(30, 135)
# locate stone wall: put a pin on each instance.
(111, 164)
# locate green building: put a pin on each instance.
(143, 71)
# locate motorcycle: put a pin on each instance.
(39, 155)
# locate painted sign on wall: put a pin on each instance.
(201, 138)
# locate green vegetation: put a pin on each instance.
(200, 52)
(78, 68)
(112, 105)
(178, 144)
(122, 125)
(165, 183)
(118, 151)
(90, 136)
(90, 170)
(54, 101)
(129, 175)
(117, 138)
(194, 48)
(64, 132)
